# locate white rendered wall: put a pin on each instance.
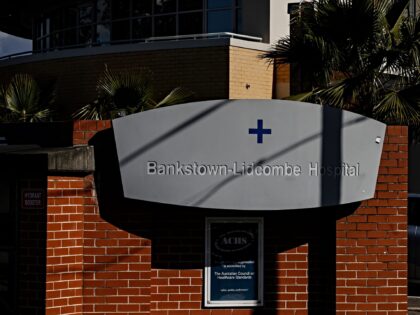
(266, 18)
(279, 19)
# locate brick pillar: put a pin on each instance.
(66, 199)
(372, 242)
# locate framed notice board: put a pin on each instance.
(234, 262)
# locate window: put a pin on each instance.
(85, 14)
(100, 22)
(70, 17)
(165, 6)
(120, 30)
(219, 21)
(165, 25)
(103, 10)
(103, 33)
(142, 27)
(120, 9)
(142, 7)
(216, 4)
(188, 5)
(190, 23)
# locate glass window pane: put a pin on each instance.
(120, 9)
(142, 27)
(142, 7)
(165, 6)
(103, 10)
(191, 23)
(219, 21)
(85, 35)
(44, 44)
(239, 29)
(38, 29)
(55, 40)
(85, 14)
(165, 25)
(185, 5)
(46, 27)
(121, 30)
(56, 21)
(70, 18)
(103, 33)
(215, 4)
(70, 37)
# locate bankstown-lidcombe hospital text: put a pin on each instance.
(251, 169)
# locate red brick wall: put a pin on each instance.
(68, 200)
(372, 243)
(84, 130)
(138, 258)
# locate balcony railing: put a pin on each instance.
(139, 41)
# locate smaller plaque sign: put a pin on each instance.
(234, 262)
(33, 199)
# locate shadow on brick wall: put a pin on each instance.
(177, 235)
(23, 235)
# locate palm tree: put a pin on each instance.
(127, 92)
(361, 55)
(22, 100)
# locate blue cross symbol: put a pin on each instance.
(259, 131)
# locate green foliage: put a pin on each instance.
(127, 92)
(362, 55)
(22, 100)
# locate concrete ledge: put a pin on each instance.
(80, 159)
(136, 47)
(414, 305)
(71, 159)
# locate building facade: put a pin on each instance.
(71, 244)
(183, 43)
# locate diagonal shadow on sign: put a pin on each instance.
(331, 155)
(198, 199)
(170, 133)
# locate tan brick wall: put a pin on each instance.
(202, 70)
(211, 73)
(249, 75)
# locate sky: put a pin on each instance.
(10, 44)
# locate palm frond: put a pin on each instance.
(22, 99)
(396, 108)
(303, 97)
(126, 92)
(176, 96)
(372, 45)
(395, 11)
(97, 110)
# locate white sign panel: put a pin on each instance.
(249, 155)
